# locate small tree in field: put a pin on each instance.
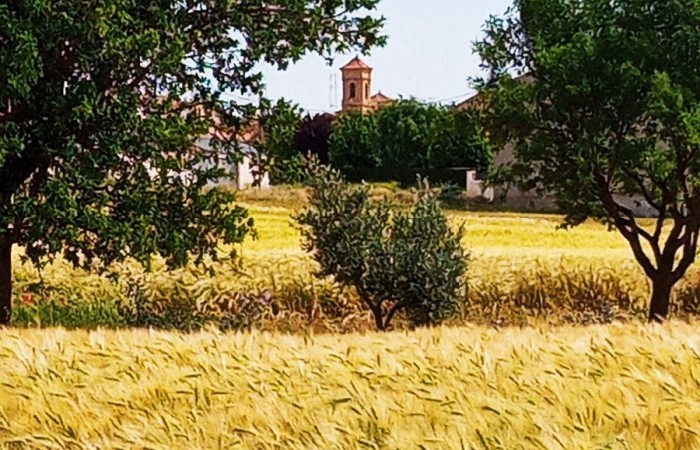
(101, 101)
(611, 110)
(409, 261)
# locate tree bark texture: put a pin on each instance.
(660, 298)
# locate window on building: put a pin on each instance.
(366, 91)
(353, 90)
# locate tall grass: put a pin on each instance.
(599, 387)
(523, 270)
(293, 382)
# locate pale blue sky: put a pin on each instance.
(428, 55)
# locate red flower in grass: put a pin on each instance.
(28, 298)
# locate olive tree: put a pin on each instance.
(601, 101)
(408, 261)
(101, 100)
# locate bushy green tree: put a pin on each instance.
(609, 109)
(354, 142)
(100, 102)
(396, 260)
(460, 141)
(410, 134)
(288, 142)
(279, 125)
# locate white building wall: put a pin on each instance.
(245, 176)
(242, 174)
(475, 187)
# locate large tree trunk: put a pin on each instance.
(378, 318)
(660, 297)
(5, 280)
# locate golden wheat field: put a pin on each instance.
(616, 386)
(514, 259)
(600, 387)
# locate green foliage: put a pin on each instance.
(354, 142)
(396, 260)
(410, 134)
(289, 141)
(71, 313)
(279, 127)
(100, 104)
(608, 109)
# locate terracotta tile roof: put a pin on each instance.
(381, 98)
(356, 63)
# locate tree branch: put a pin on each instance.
(392, 312)
(643, 189)
(628, 227)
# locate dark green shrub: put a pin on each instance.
(396, 260)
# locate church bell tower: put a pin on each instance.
(357, 86)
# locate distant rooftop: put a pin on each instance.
(356, 63)
(379, 97)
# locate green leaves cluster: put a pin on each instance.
(396, 260)
(410, 134)
(279, 125)
(288, 142)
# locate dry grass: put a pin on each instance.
(617, 386)
(612, 387)
(522, 267)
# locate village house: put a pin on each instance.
(244, 173)
(247, 171)
(510, 196)
(516, 198)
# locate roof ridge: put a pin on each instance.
(356, 63)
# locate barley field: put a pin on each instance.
(599, 387)
(523, 270)
(320, 378)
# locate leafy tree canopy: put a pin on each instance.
(288, 142)
(314, 135)
(610, 111)
(410, 134)
(279, 125)
(100, 101)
